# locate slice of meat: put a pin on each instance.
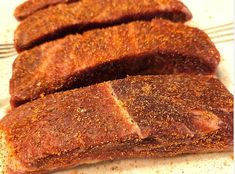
(142, 116)
(31, 6)
(62, 19)
(158, 47)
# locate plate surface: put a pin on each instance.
(206, 14)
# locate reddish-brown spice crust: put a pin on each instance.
(156, 47)
(62, 19)
(31, 6)
(142, 116)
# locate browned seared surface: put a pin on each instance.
(158, 47)
(142, 116)
(31, 6)
(62, 19)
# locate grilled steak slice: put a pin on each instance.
(111, 53)
(62, 19)
(31, 6)
(142, 116)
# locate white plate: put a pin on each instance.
(207, 13)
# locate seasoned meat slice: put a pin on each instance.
(62, 19)
(158, 47)
(142, 116)
(31, 6)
